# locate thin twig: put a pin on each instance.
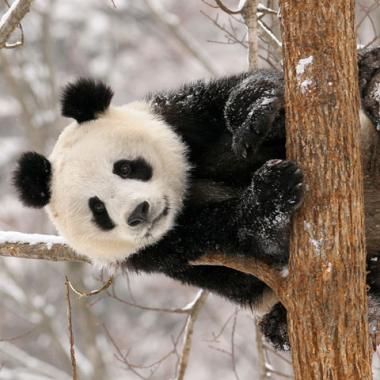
(276, 353)
(215, 337)
(229, 35)
(91, 293)
(180, 34)
(270, 34)
(180, 310)
(70, 330)
(233, 356)
(227, 10)
(133, 367)
(17, 337)
(197, 305)
(260, 352)
(11, 19)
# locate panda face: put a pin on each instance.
(117, 182)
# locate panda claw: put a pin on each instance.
(281, 181)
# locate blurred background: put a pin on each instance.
(128, 332)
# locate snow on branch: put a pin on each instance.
(35, 246)
(11, 19)
(53, 248)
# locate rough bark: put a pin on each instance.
(327, 310)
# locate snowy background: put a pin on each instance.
(137, 46)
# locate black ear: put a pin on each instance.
(32, 179)
(85, 99)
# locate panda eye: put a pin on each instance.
(98, 207)
(137, 169)
(124, 169)
(99, 211)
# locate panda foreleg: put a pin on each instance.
(252, 109)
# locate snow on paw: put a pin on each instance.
(279, 183)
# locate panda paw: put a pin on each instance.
(279, 184)
(246, 141)
(248, 136)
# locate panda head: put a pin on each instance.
(116, 177)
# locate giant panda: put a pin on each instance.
(152, 185)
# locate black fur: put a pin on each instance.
(85, 99)
(369, 74)
(32, 178)
(100, 214)
(207, 116)
(232, 127)
(275, 328)
(256, 224)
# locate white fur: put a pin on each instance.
(82, 162)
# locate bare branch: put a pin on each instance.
(230, 36)
(91, 293)
(136, 368)
(70, 330)
(196, 307)
(270, 34)
(32, 363)
(260, 347)
(249, 14)
(265, 10)
(34, 246)
(233, 354)
(183, 38)
(12, 18)
(17, 337)
(227, 10)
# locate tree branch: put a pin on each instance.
(70, 330)
(196, 307)
(35, 246)
(182, 37)
(227, 10)
(249, 14)
(271, 276)
(12, 18)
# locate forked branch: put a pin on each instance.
(11, 19)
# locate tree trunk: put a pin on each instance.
(327, 310)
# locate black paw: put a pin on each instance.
(259, 121)
(274, 327)
(247, 140)
(279, 184)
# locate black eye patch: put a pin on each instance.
(133, 169)
(100, 214)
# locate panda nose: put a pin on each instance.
(139, 214)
